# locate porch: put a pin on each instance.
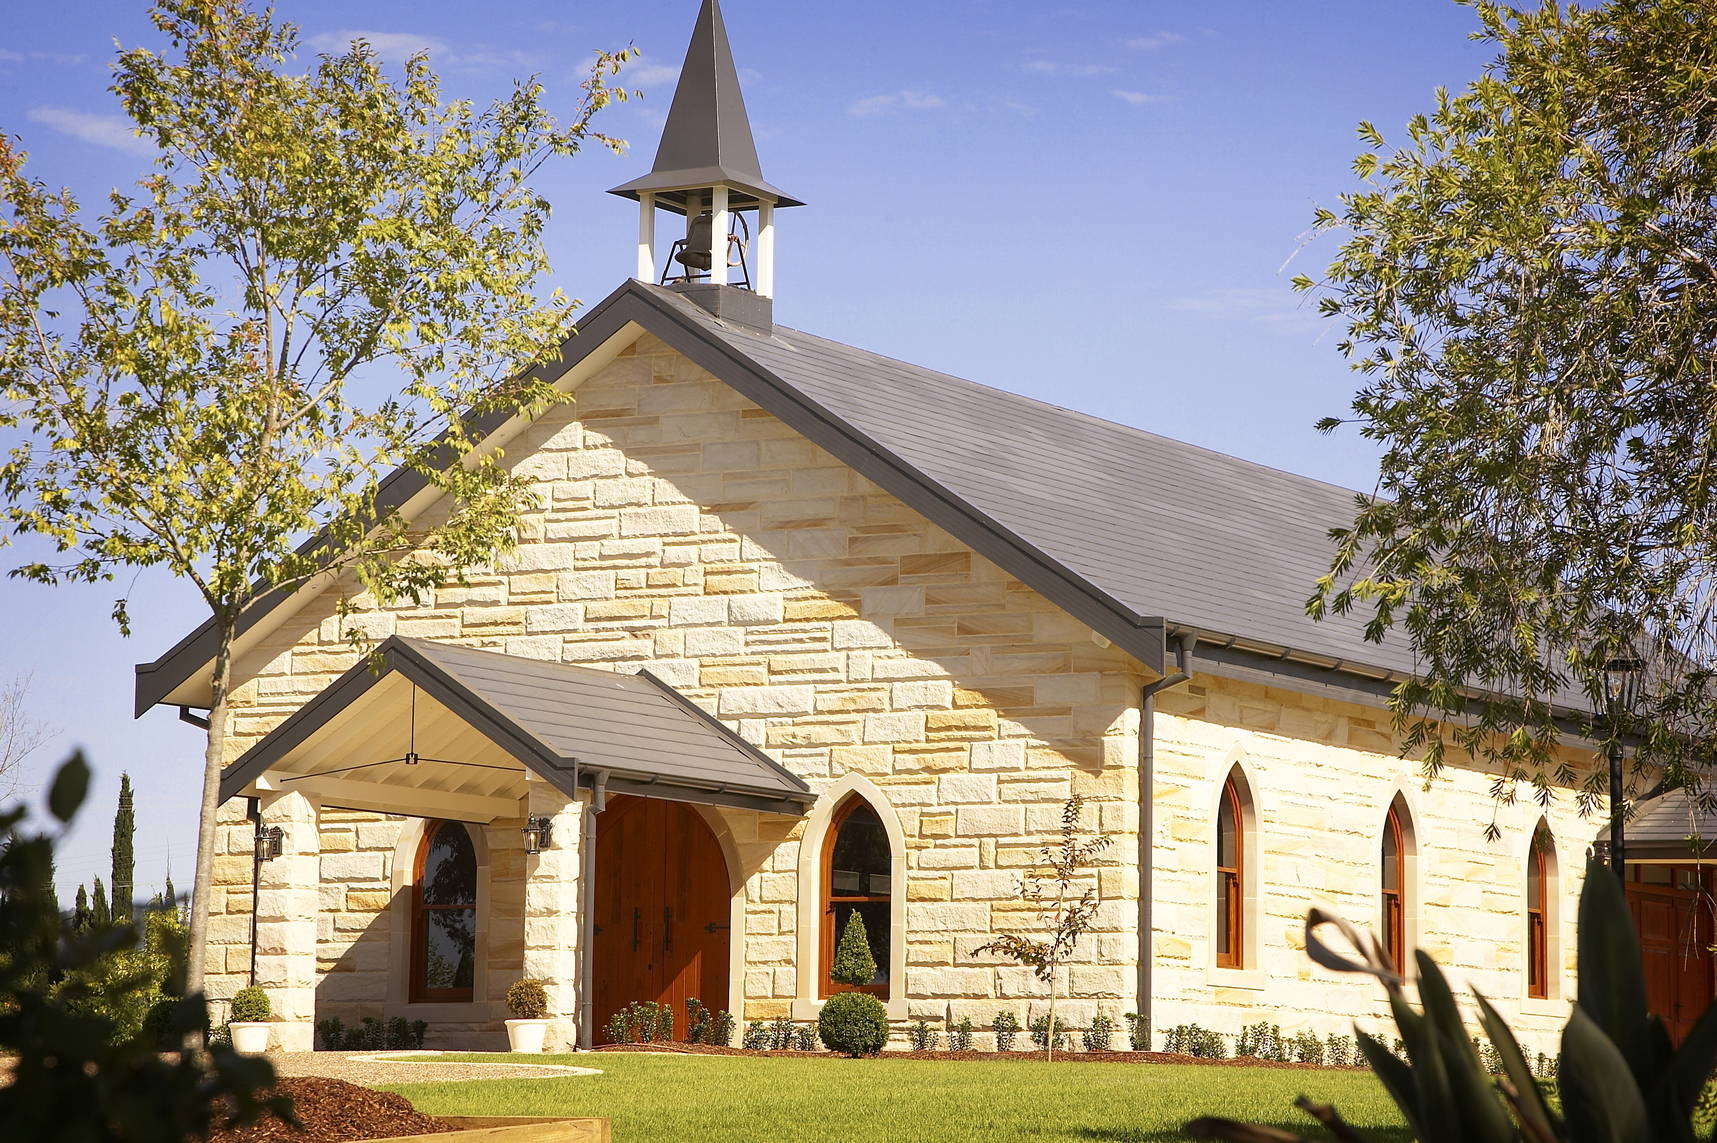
(592, 829)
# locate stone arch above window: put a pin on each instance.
(444, 914)
(1397, 901)
(1236, 853)
(1541, 946)
(828, 821)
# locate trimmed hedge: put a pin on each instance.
(854, 1023)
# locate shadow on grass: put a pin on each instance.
(1303, 1127)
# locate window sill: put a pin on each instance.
(1249, 978)
(803, 1009)
(442, 1010)
(1544, 1006)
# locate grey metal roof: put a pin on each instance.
(564, 722)
(1156, 526)
(1130, 532)
(1678, 824)
(707, 139)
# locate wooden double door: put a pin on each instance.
(662, 909)
(1672, 912)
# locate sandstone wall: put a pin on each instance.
(682, 528)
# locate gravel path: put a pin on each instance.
(374, 1069)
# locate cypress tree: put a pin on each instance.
(124, 834)
(80, 914)
(168, 893)
(853, 962)
(100, 916)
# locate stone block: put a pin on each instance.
(989, 821)
(767, 700)
(972, 788)
(925, 694)
(763, 607)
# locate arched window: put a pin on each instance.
(1394, 889)
(444, 915)
(1540, 911)
(1230, 879)
(856, 878)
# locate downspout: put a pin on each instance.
(587, 908)
(1185, 643)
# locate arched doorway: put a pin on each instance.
(662, 919)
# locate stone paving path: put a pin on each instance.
(375, 1069)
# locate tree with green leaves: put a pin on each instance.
(1529, 288)
(76, 1070)
(853, 963)
(124, 835)
(100, 915)
(80, 911)
(326, 274)
(1062, 889)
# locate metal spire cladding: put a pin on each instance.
(707, 140)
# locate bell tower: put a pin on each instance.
(707, 172)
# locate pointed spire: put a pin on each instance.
(707, 140)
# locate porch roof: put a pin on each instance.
(477, 721)
(1677, 825)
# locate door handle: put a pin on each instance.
(637, 916)
(712, 927)
(667, 928)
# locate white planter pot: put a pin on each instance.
(250, 1038)
(526, 1035)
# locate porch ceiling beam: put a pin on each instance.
(413, 801)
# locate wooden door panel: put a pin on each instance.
(663, 899)
(1674, 927)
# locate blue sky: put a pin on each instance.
(1097, 204)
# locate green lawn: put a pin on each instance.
(739, 1099)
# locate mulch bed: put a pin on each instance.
(1060, 1057)
(334, 1111)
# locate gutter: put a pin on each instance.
(587, 908)
(1185, 643)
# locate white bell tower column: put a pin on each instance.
(720, 219)
(765, 248)
(646, 237)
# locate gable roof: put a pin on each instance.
(1136, 535)
(561, 721)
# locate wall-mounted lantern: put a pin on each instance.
(268, 841)
(538, 834)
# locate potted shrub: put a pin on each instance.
(528, 1001)
(249, 1021)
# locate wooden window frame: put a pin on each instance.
(1537, 944)
(421, 993)
(826, 986)
(1395, 896)
(1231, 883)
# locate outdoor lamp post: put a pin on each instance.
(1620, 676)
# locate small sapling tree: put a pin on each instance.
(1061, 889)
(854, 963)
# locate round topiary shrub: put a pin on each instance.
(527, 999)
(854, 1023)
(250, 1005)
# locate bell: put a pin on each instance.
(694, 253)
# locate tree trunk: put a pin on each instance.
(202, 888)
(1051, 1056)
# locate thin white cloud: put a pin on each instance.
(1278, 309)
(908, 100)
(646, 72)
(391, 46)
(60, 59)
(1064, 67)
(113, 131)
(1155, 40)
(1137, 98)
